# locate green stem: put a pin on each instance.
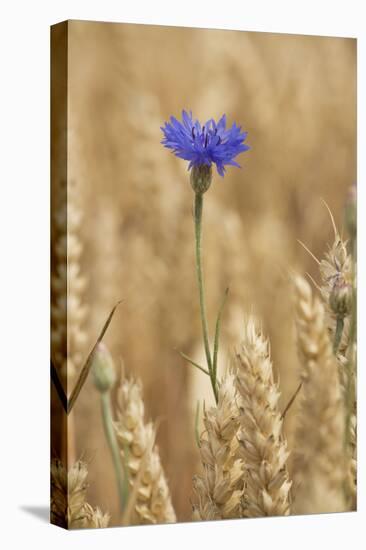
(198, 207)
(338, 334)
(350, 396)
(350, 387)
(196, 432)
(122, 481)
(217, 334)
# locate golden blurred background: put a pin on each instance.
(296, 97)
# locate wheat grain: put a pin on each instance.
(319, 459)
(69, 508)
(92, 518)
(218, 492)
(262, 447)
(149, 488)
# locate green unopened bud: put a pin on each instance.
(201, 177)
(340, 299)
(103, 368)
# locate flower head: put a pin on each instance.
(340, 299)
(204, 145)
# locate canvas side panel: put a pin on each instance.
(59, 431)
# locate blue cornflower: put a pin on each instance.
(203, 146)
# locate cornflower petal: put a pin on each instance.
(208, 144)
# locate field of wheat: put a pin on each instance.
(147, 440)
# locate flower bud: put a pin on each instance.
(201, 177)
(103, 368)
(340, 299)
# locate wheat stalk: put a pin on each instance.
(69, 508)
(149, 488)
(347, 367)
(262, 447)
(319, 458)
(218, 492)
(338, 290)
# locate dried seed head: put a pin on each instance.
(335, 267)
(340, 299)
(337, 275)
(319, 457)
(352, 464)
(93, 518)
(218, 491)
(262, 447)
(136, 438)
(69, 508)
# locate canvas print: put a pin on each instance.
(203, 274)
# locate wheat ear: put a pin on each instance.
(68, 284)
(148, 485)
(336, 273)
(262, 447)
(218, 492)
(319, 458)
(67, 310)
(352, 464)
(69, 508)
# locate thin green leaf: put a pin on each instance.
(194, 363)
(196, 419)
(86, 368)
(58, 386)
(291, 401)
